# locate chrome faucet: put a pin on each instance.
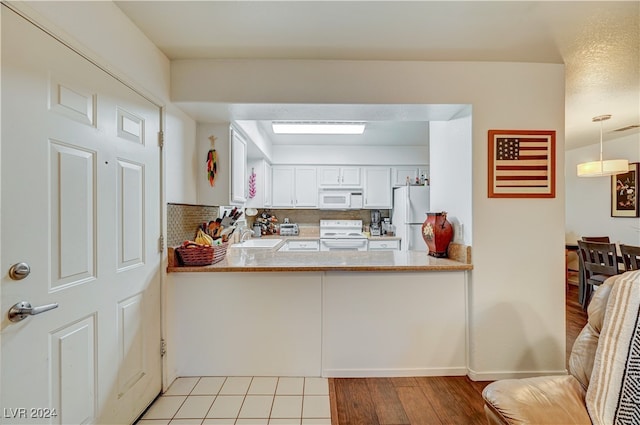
(246, 234)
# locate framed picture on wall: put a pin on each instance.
(522, 164)
(624, 193)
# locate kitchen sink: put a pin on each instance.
(257, 243)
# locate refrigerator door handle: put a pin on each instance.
(407, 209)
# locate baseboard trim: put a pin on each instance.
(498, 375)
(392, 373)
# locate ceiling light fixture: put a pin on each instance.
(602, 168)
(318, 127)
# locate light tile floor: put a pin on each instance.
(242, 400)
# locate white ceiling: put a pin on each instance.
(599, 42)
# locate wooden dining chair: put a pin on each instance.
(630, 257)
(585, 290)
(599, 262)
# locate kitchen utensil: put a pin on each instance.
(227, 231)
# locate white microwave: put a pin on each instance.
(340, 200)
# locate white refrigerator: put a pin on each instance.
(410, 205)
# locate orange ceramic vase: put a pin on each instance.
(437, 232)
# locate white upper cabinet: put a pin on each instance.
(377, 188)
(238, 168)
(294, 186)
(282, 193)
(268, 187)
(306, 187)
(329, 177)
(351, 176)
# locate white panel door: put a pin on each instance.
(80, 201)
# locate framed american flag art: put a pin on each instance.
(522, 164)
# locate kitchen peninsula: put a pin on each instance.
(264, 312)
(272, 260)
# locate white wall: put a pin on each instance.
(181, 159)
(588, 200)
(516, 296)
(451, 174)
(353, 155)
(256, 135)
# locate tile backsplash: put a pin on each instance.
(183, 221)
(312, 217)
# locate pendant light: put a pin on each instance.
(602, 168)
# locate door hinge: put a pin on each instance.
(161, 243)
(163, 347)
(161, 139)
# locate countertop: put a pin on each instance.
(270, 260)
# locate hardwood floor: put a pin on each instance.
(576, 317)
(424, 400)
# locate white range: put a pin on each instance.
(342, 235)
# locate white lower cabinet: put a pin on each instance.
(305, 245)
(384, 245)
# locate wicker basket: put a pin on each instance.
(219, 251)
(199, 255)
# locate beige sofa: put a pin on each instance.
(552, 399)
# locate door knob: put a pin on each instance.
(21, 310)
